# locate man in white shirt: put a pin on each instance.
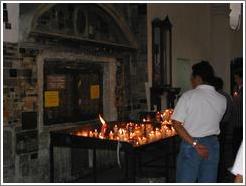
(196, 119)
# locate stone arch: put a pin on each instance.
(117, 17)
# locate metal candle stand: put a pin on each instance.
(132, 155)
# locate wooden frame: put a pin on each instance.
(161, 52)
(161, 60)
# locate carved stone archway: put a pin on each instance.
(109, 9)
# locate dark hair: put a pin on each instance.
(204, 70)
(218, 83)
(239, 73)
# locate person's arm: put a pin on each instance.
(200, 149)
(182, 132)
(179, 116)
(237, 168)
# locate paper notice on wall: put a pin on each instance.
(51, 98)
(95, 91)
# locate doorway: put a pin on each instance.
(72, 91)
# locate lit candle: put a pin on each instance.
(101, 136)
(130, 127)
(151, 136)
(140, 141)
(165, 122)
(125, 139)
(104, 126)
(121, 134)
(144, 140)
(132, 135)
(163, 132)
(111, 135)
(157, 134)
(115, 129)
(95, 133)
(84, 133)
(142, 128)
(137, 132)
(91, 134)
(169, 132)
(149, 128)
(173, 131)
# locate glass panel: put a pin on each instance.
(72, 92)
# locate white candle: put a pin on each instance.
(95, 133)
(132, 135)
(84, 133)
(173, 131)
(101, 136)
(144, 140)
(115, 129)
(111, 135)
(140, 141)
(157, 134)
(121, 134)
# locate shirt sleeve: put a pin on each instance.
(180, 110)
(238, 164)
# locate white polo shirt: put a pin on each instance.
(200, 110)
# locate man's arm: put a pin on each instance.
(201, 149)
(182, 132)
(237, 168)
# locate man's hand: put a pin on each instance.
(238, 179)
(202, 150)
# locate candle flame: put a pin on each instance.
(102, 120)
(132, 132)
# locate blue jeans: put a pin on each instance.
(193, 168)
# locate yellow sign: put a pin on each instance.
(51, 98)
(95, 91)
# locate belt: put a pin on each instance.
(214, 135)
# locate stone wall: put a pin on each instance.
(20, 91)
(26, 154)
(137, 21)
(26, 148)
(20, 96)
(139, 62)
